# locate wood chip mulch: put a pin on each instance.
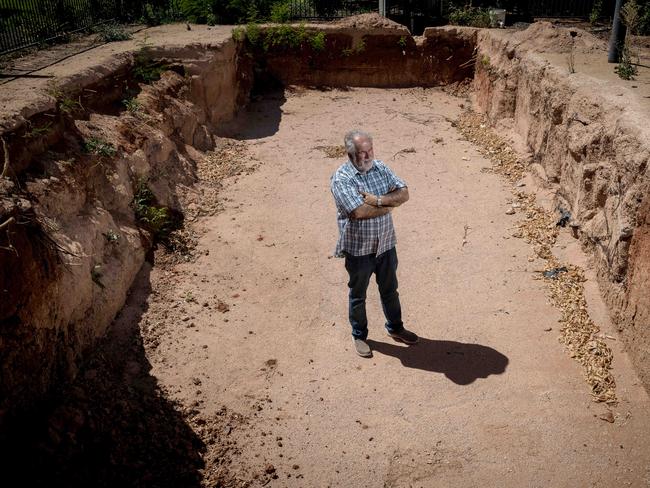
(580, 335)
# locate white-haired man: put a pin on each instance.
(366, 191)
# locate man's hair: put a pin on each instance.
(350, 145)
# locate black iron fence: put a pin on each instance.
(563, 8)
(330, 9)
(25, 23)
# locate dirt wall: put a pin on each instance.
(589, 145)
(74, 243)
(387, 57)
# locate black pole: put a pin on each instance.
(617, 37)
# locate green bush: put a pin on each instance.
(156, 219)
(145, 68)
(596, 11)
(281, 11)
(317, 42)
(625, 69)
(242, 11)
(285, 36)
(113, 32)
(253, 33)
(470, 16)
(196, 11)
(161, 12)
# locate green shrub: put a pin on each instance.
(284, 36)
(145, 68)
(625, 69)
(156, 219)
(596, 11)
(242, 11)
(239, 34)
(281, 11)
(317, 42)
(113, 32)
(196, 11)
(470, 16)
(253, 33)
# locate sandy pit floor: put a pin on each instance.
(258, 323)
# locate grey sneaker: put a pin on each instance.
(405, 336)
(362, 347)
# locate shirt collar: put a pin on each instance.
(357, 172)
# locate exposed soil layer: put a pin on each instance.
(75, 224)
(589, 139)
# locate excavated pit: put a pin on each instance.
(69, 200)
(81, 196)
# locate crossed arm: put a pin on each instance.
(370, 209)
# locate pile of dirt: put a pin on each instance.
(544, 37)
(368, 21)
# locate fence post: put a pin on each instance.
(617, 37)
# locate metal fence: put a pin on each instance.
(330, 9)
(566, 8)
(25, 23)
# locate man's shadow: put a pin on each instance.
(461, 363)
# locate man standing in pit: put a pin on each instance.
(366, 191)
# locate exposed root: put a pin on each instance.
(579, 334)
(10, 220)
(5, 166)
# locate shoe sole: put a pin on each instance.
(399, 339)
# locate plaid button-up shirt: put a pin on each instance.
(367, 236)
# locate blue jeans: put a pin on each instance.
(360, 269)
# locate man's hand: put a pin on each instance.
(369, 198)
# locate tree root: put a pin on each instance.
(5, 167)
(7, 222)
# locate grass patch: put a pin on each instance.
(98, 147)
(35, 132)
(132, 105)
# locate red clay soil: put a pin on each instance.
(258, 322)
